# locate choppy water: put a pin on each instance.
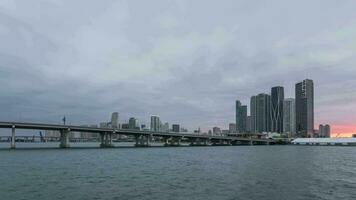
(238, 172)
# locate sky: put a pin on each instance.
(186, 61)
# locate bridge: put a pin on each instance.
(142, 138)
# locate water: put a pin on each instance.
(238, 172)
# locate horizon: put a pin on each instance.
(173, 59)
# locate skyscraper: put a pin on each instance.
(253, 114)
(304, 104)
(133, 123)
(260, 113)
(241, 117)
(277, 98)
(263, 113)
(289, 117)
(115, 120)
(248, 124)
(155, 123)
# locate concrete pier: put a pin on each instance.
(13, 139)
(64, 138)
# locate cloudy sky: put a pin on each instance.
(186, 61)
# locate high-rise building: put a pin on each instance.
(216, 131)
(115, 120)
(232, 128)
(155, 123)
(277, 98)
(248, 124)
(176, 128)
(327, 130)
(260, 113)
(304, 108)
(133, 124)
(263, 113)
(241, 115)
(289, 117)
(253, 114)
(165, 127)
(324, 130)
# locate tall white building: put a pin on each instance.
(289, 117)
(155, 123)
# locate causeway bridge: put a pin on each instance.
(142, 138)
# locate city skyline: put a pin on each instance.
(139, 59)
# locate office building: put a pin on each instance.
(115, 120)
(260, 113)
(304, 108)
(176, 128)
(241, 115)
(165, 127)
(232, 128)
(324, 131)
(253, 114)
(216, 131)
(289, 117)
(248, 124)
(155, 123)
(277, 98)
(133, 124)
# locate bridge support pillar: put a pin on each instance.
(172, 142)
(198, 142)
(64, 139)
(143, 140)
(13, 144)
(106, 140)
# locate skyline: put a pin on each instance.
(173, 59)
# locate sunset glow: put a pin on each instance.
(343, 130)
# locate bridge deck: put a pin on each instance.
(58, 127)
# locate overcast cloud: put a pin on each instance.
(187, 61)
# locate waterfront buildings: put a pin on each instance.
(216, 131)
(260, 113)
(248, 124)
(165, 127)
(133, 124)
(176, 128)
(103, 125)
(232, 128)
(253, 114)
(324, 131)
(125, 126)
(155, 123)
(277, 98)
(304, 100)
(289, 117)
(241, 115)
(115, 120)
